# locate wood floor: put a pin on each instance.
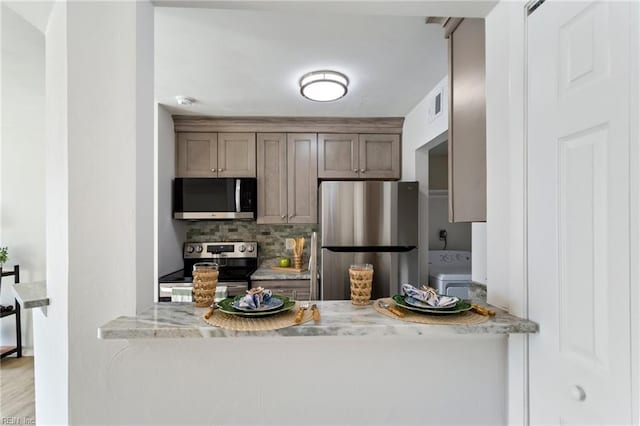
(17, 395)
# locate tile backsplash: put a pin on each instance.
(270, 238)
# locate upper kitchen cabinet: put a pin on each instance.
(197, 155)
(338, 156)
(287, 178)
(353, 156)
(467, 122)
(379, 156)
(236, 155)
(272, 178)
(216, 155)
(302, 171)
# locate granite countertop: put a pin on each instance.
(265, 273)
(339, 318)
(31, 295)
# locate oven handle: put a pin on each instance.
(237, 195)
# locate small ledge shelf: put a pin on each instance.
(31, 295)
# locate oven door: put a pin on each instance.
(175, 292)
(214, 198)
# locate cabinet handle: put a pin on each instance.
(213, 170)
(355, 170)
(291, 217)
(221, 170)
(362, 170)
(284, 216)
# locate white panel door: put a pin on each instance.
(578, 212)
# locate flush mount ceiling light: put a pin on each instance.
(324, 86)
(185, 100)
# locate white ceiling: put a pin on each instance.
(248, 62)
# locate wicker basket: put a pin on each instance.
(361, 277)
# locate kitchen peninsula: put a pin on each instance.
(339, 318)
(355, 366)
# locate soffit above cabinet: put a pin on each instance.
(379, 125)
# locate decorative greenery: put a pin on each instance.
(4, 255)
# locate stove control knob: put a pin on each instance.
(241, 248)
(189, 249)
(199, 249)
(251, 248)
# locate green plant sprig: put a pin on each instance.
(4, 255)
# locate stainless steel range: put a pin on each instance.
(236, 262)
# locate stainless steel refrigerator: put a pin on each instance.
(368, 222)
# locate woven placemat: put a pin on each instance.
(272, 322)
(467, 317)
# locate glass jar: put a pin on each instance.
(361, 279)
(205, 280)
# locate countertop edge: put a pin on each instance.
(31, 295)
(340, 319)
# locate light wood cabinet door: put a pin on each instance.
(302, 170)
(467, 123)
(298, 289)
(338, 156)
(272, 177)
(236, 155)
(197, 155)
(379, 156)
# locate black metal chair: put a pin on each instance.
(8, 350)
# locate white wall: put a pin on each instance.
(171, 233)
(99, 199)
(421, 126)
(458, 234)
(341, 380)
(22, 162)
(423, 130)
(479, 253)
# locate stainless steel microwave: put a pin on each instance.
(214, 198)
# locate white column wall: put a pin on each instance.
(145, 156)
(505, 156)
(50, 325)
(100, 199)
(22, 162)
(506, 186)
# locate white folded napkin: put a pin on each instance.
(428, 296)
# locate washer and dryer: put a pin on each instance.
(450, 272)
